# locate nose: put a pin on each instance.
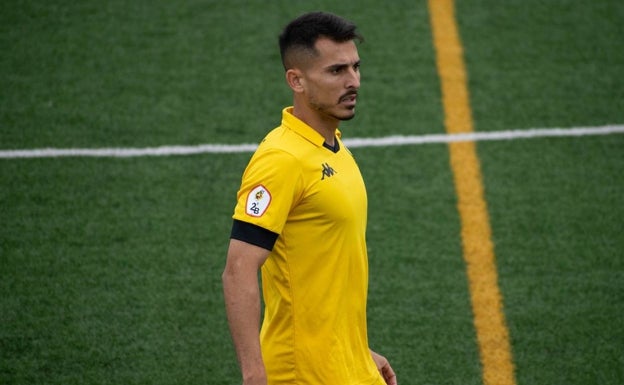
(353, 80)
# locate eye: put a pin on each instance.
(337, 69)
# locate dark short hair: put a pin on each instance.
(303, 32)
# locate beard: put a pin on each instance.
(336, 111)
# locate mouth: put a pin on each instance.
(349, 98)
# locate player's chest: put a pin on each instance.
(334, 187)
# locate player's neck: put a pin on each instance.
(326, 126)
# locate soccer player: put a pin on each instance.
(301, 219)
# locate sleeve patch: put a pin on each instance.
(258, 201)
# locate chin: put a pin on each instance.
(348, 115)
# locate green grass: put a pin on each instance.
(419, 303)
(558, 233)
(544, 63)
(110, 268)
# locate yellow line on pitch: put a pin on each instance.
(487, 304)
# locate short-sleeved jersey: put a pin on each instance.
(315, 280)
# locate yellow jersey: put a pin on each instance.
(315, 280)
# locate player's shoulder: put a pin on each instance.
(282, 142)
(275, 152)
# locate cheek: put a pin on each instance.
(321, 89)
(327, 88)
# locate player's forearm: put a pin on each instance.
(242, 302)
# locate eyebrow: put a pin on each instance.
(340, 66)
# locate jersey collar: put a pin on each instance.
(292, 122)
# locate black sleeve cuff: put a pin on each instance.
(253, 234)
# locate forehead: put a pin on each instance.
(331, 52)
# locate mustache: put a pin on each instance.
(348, 95)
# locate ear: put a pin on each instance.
(295, 80)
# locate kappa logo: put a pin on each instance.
(328, 171)
(258, 201)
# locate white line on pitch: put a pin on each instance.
(395, 140)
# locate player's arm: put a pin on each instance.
(384, 368)
(242, 302)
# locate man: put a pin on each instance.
(301, 218)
